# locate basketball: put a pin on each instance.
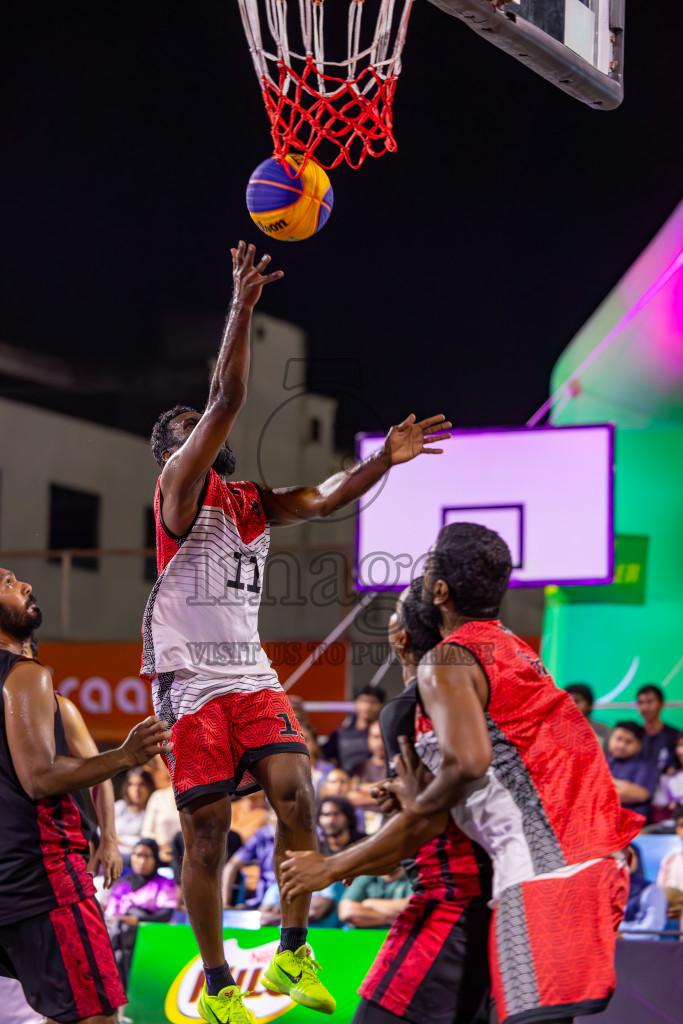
(287, 207)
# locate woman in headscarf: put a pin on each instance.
(141, 895)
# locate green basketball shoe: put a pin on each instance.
(295, 975)
(225, 1008)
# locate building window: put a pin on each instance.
(75, 523)
(314, 430)
(150, 563)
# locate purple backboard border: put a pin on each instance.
(516, 584)
(483, 508)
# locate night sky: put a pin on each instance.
(454, 271)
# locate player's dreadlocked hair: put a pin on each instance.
(419, 620)
(162, 439)
(476, 565)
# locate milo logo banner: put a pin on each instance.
(166, 979)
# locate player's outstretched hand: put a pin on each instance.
(249, 279)
(411, 777)
(147, 739)
(409, 439)
(304, 871)
(386, 802)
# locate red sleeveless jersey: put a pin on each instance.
(200, 627)
(548, 800)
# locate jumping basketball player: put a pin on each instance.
(233, 726)
(432, 968)
(52, 935)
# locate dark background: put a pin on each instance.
(454, 271)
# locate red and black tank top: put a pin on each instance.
(43, 845)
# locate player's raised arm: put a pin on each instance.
(184, 473)
(30, 728)
(286, 506)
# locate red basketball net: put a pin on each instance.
(330, 110)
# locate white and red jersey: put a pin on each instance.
(200, 628)
(547, 802)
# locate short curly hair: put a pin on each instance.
(476, 564)
(419, 619)
(162, 439)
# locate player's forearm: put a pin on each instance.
(446, 789)
(349, 485)
(401, 837)
(103, 802)
(67, 774)
(231, 375)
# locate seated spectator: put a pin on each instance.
(162, 820)
(320, 768)
(129, 811)
(369, 772)
(582, 695)
(348, 745)
(670, 876)
(365, 776)
(338, 783)
(337, 826)
(258, 850)
(375, 901)
(635, 779)
(659, 739)
(646, 906)
(141, 895)
(670, 789)
(323, 912)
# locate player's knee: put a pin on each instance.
(296, 807)
(205, 847)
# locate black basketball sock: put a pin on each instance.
(292, 938)
(218, 978)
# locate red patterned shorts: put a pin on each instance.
(551, 944)
(214, 748)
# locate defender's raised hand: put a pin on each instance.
(410, 438)
(248, 278)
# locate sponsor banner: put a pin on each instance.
(166, 978)
(103, 681)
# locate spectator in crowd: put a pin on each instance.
(635, 779)
(646, 907)
(670, 789)
(337, 827)
(162, 820)
(320, 768)
(129, 811)
(258, 850)
(338, 783)
(141, 895)
(582, 695)
(322, 914)
(369, 772)
(375, 901)
(365, 776)
(659, 739)
(348, 745)
(670, 876)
